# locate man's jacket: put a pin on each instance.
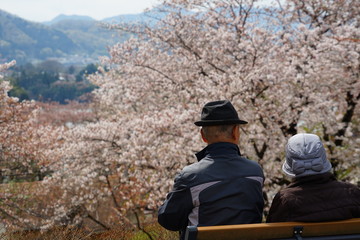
(222, 188)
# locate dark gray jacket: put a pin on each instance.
(222, 188)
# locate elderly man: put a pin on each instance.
(222, 187)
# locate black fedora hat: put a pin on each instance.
(219, 113)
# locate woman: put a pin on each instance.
(314, 194)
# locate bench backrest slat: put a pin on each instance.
(274, 230)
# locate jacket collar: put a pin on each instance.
(313, 179)
(219, 147)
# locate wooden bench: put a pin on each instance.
(336, 230)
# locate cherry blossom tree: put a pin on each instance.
(16, 157)
(288, 68)
(18, 149)
(320, 65)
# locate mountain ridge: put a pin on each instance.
(24, 39)
(62, 17)
(66, 37)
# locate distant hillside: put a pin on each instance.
(23, 40)
(90, 35)
(71, 39)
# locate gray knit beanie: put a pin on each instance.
(305, 155)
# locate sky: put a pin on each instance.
(46, 10)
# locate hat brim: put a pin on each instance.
(287, 170)
(219, 122)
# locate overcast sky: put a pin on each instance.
(46, 10)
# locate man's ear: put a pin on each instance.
(203, 136)
(235, 132)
